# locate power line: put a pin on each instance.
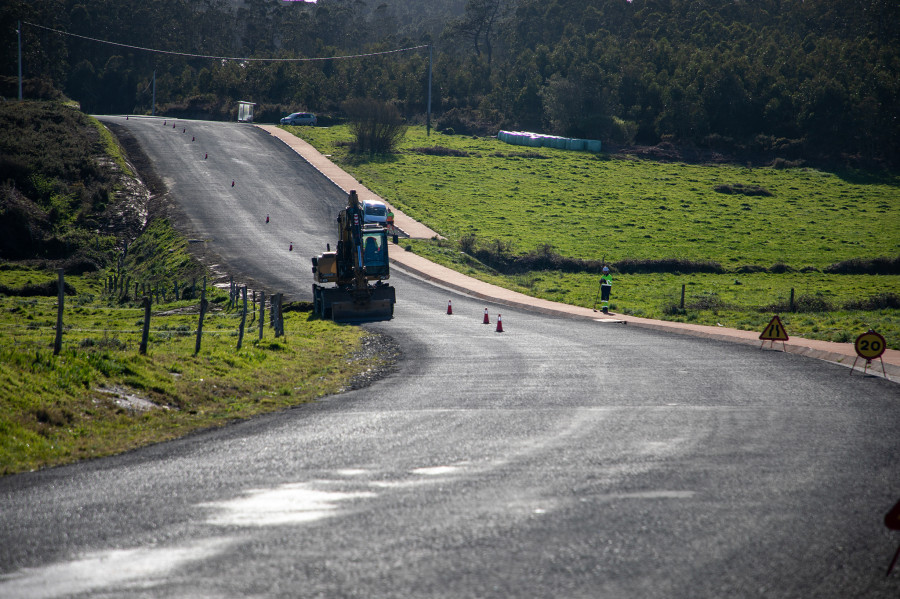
(245, 59)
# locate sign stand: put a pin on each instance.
(773, 332)
(869, 346)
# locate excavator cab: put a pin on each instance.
(375, 255)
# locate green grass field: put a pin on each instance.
(597, 207)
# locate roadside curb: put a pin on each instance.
(796, 345)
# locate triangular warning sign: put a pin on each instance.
(774, 331)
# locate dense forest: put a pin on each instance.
(790, 79)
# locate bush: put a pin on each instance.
(861, 266)
(706, 301)
(803, 303)
(751, 268)
(47, 289)
(376, 126)
(457, 121)
(441, 151)
(741, 189)
(780, 268)
(674, 265)
(881, 301)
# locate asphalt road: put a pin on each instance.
(560, 458)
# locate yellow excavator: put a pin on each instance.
(357, 270)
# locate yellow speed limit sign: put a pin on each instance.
(870, 345)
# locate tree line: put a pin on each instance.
(777, 78)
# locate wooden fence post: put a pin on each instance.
(682, 296)
(262, 313)
(146, 332)
(61, 289)
(243, 319)
(279, 318)
(792, 299)
(203, 305)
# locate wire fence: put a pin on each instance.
(181, 311)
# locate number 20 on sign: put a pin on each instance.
(869, 346)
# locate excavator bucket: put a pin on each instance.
(342, 305)
(370, 311)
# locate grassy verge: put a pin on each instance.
(100, 396)
(768, 230)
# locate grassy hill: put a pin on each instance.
(542, 221)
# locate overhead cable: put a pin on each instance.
(235, 58)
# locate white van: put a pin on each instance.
(375, 211)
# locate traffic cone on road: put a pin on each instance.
(232, 182)
(193, 138)
(291, 247)
(205, 155)
(267, 219)
(486, 319)
(449, 307)
(499, 323)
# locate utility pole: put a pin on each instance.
(153, 110)
(19, 31)
(428, 117)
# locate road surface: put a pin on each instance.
(560, 458)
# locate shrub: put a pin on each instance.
(706, 301)
(861, 266)
(376, 126)
(751, 268)
(741, 189)
(441, 151)
(47, 289)
(881, 301)
(780, 268)
(467, 243)
(802, 303)
(677, 265)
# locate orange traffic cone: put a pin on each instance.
(193, 138)
(291, 247)
(499, 323)
(267, 219)
(232, 182)
(184, 130)
(205, 155)
(165, 123)
(449, 307)
(486, 319)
